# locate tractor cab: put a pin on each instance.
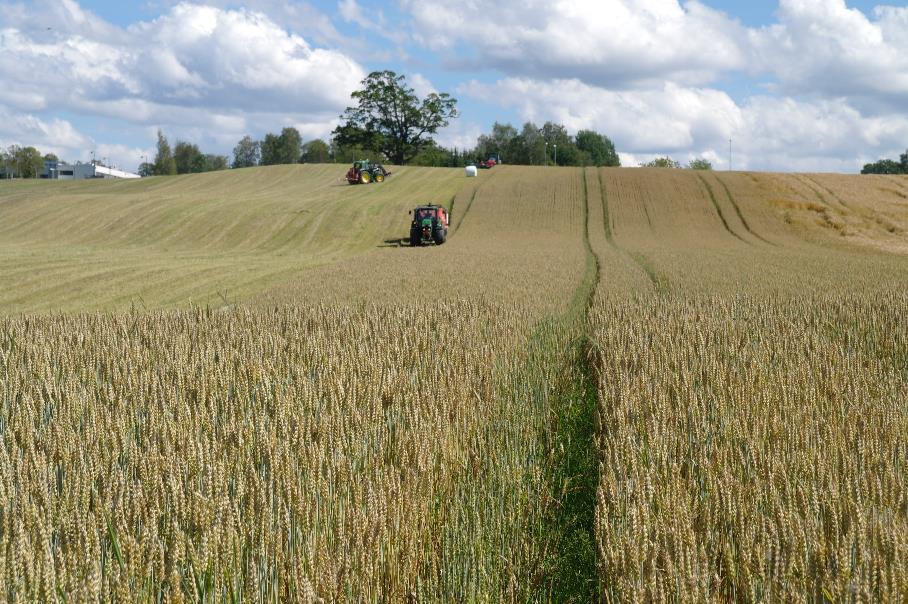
(429, 226)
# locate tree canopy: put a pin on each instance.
(699, 164)
(316, 152)
(888, 166)
(164, 164)
(247, 153)
(661, 162)
(599, 149)
(390, 118)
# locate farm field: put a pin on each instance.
(615, 384)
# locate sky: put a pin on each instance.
(794, 85)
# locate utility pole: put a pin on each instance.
(556, 154)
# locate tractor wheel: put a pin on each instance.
(365, 177)
(439, 236)
(379, 177)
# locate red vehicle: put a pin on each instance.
(489, 163)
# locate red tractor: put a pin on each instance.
(489, 163)
(430, 225)
(364, 172)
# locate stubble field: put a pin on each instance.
(609, 384)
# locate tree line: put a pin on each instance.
(23, 162)
(888, 166)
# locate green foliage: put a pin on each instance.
(661, 162)
(498, 143)
(51, 157)
(188, 158)
(903, 160)
(247, 153)
(599, 149)
(433, 155)
(883, 166)
(283, 148)
(164, 164)
(214, 163)
(390, 117)
(27, 161)
(316, 152)
(699, 164)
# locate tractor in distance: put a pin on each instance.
(429, 226)
(365, 171)
(488, 163)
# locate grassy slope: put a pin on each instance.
(230, 236)
(166, 241)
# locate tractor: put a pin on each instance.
(429, 226)
(364, 172)
(489, 163)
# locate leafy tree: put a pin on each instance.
(146, 169)
(433, 155)
(214, 163)
(389, 117)
(699, 164)
(600, 149)
(270, 147)
(883, 166)
(316, 152)
(558, 146)
(497, 143)
(164, 164)
(29, 162)
(247, 153)
(188, 158)
(51, 157)
(290, 145)
(903, 159)
(661, 162)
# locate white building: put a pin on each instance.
(62, 171)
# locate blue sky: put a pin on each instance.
(813, 85)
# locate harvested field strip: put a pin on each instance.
(829, 192)
(606, 218)
(712, 198)
(734, 204)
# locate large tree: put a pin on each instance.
(164, 165)
(389, 117)
(598, 147)
(316, 152)
(214, 163)
(497, 144)
(29, 163)
(903, 160)
(247, 153)
(188, 158)
(283, 148)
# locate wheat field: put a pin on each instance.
(609, 385)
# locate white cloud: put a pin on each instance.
(421, 85)
(197, 70)
(49, 136)
(605, 42)
(822, 48)
(768, 133)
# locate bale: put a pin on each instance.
(471, 171)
